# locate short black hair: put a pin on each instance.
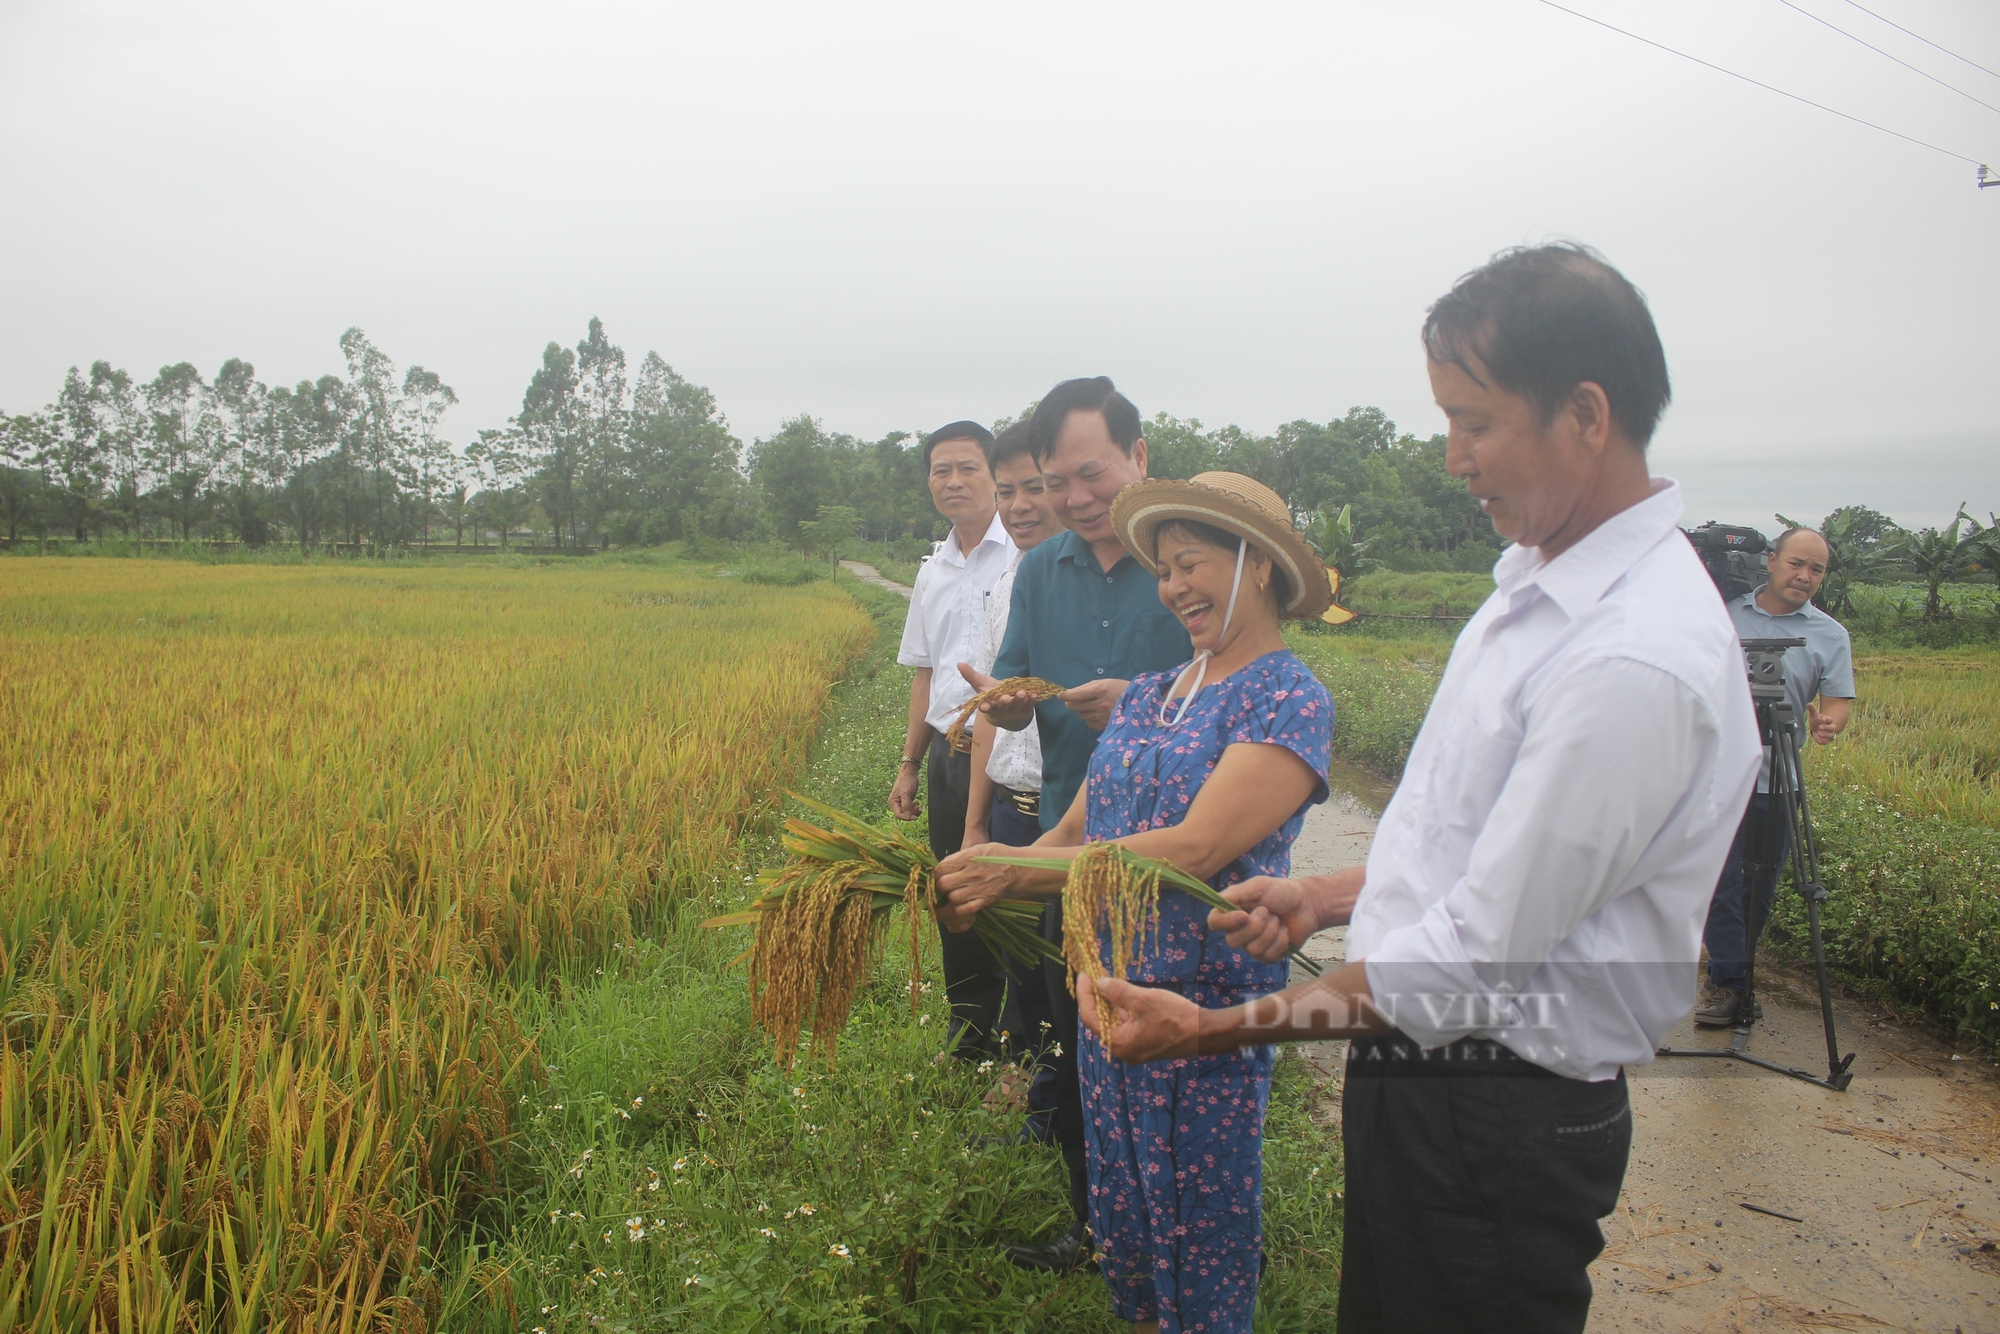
(1013, 442)
(1778, 542)
(1093, 394)
(1542, 320)
(966, 430)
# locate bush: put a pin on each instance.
(785, 571)
(1915, 909)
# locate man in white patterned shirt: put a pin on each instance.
(1530, 915)
(943, 628)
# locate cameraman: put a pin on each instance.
(1781, 609)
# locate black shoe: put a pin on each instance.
(1067, 1254)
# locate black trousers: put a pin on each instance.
(1025, 1020)
(1474, 1184)
(975, 985)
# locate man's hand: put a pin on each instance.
(1272, 917)
(1093, 701)
(903, 793)
(1012, 712)
(1829, 719)
(966, 884)
(1276, 916)
(1153, 1025)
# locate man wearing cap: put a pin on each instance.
(1086, 616)
(1821, 669)
(1530, 915)
(947, 614)
(1210, 766)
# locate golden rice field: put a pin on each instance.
(1924, 734)
(278, 846)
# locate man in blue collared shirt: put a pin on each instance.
(1824, 667)
(1086, 616)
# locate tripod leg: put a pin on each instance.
(1805, 878)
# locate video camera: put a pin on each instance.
(1728, 554)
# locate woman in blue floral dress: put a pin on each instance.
(1211, 768)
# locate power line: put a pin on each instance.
(1925, 40)
(1880, 52)
(1765, 86)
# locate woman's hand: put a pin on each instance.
(966, 885)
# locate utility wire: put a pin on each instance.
(1925, 40)
(1880, 52)
(1765, 86)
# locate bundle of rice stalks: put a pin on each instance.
(1111, 887)
(1035, 686)
(822, 917)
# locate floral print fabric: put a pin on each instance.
(1175, 1148)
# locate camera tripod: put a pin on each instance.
(1782, 817)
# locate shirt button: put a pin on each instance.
(1100, 671)
(1107, 625)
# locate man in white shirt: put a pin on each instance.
(1530, 915)
(946, 621)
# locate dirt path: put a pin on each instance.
(868, 574)
(1891, 1182)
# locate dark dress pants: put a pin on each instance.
(1727, 934)
(1474, 1184)
(974, 983)
(1027, 1018)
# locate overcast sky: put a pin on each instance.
(889, 216)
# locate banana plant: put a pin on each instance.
(1938, 554)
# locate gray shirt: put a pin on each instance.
(1825, 666)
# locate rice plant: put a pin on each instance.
(281, 846)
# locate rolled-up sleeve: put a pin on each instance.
(915, 650)
(1608, 755)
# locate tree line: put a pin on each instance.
(601, 455)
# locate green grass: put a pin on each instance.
(1381, 689)
(657, 1075)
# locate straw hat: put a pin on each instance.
(1236, 504)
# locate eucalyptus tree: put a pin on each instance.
(72, 455)
(682, 475)
(605, 422)
(432, 463)
(553, 438)
(181, 442)
(22, 488)
(372, 442)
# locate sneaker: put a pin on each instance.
(1718, 1007)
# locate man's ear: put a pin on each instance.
(1590, 407)
(1139, 455)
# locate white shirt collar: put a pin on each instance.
(1578, 579)
(996, 532)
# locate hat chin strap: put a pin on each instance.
(1200, 664)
